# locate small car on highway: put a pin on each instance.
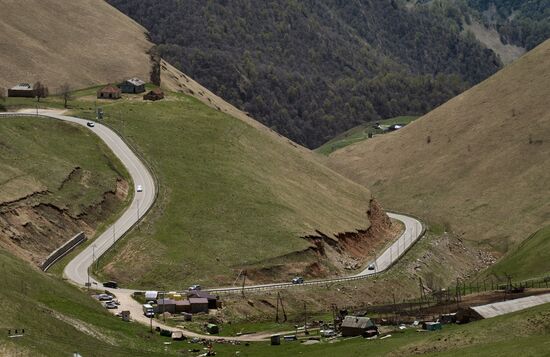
(139, 188)
(298, 280)
(194, 287)
(91, 124)
(371, 267)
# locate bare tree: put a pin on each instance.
(65, 93)
(40, 90)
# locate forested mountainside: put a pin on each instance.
(519, 22)
(312, 69)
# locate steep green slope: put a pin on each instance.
(232, 196)
(528, 260)
(313, 69)
(59, 319)
(360, 133)
(56, 179)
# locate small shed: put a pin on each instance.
(22, 90)
(431, 326)
(182, 306)
(132, 85)
(109, 92)
(155, 94)
(358, 326)
(165, 305)
(275, 340)
(125, 315)
(212, 329)
(198, 305)
(212, 300)
(151, 295)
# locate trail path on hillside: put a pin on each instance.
(77, 269)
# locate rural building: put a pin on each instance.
(155, 94)
(22, 90)
(109, 92)
(212, 300)
(165, 305)
(358, 326)
(198, 305)
(132, 85)
(183, 306)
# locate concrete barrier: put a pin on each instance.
(63, 250)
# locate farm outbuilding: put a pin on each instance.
(22, 90)
(212, 300)
(109, 92)
(132, 85)
(198, 305)
(358, 326)
(155, 94)
(165, 305)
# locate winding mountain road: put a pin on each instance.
(77, 270)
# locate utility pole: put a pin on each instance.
(280, 300)
(244, 282)
(93, 255)
(163, 306)
(305, 320)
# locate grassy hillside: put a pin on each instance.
(478, 165)
(56, 179)
(82, 42)
(528, 260)
(231, 197)
(59, 319)
(360, 133)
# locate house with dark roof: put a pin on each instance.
(109, 92)
(22, 90)
(198, 305)
(132, 85)
(212, 300)
(358, 326)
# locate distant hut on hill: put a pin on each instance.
(132, 85)
(22, 90)
(155, 94)
(109, 92)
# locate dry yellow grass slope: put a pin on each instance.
(83, 43)
(479, 164)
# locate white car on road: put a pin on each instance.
(139, 188)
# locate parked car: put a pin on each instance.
(298, 280)
(139, 188)
(371, 267)
(194, 287)
(327, 333)
(91, 124)
(110, 284)
(105, 297)
(111, 305)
